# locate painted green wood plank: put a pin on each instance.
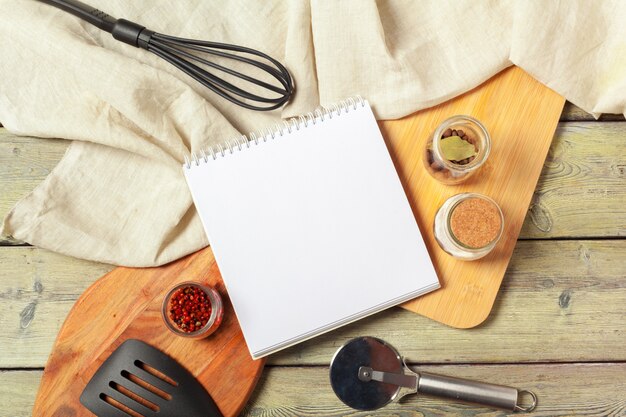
(17, 392)
(571, 390)
(572, 112)
(37, 290)
(580, 192)
(563, 390)
(560, 301)
(24, 163)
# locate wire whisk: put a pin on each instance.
(271, 83)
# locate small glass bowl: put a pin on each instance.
(215, 318)
(449, 172)
(446, 237)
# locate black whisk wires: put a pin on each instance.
(179, 52)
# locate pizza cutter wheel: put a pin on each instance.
(367, 373)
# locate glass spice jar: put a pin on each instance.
(468, 225)
(192, 310)
(463, 137)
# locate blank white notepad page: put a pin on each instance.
(311, 230)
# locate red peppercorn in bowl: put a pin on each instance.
(192, 310)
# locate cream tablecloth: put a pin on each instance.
(119, 195)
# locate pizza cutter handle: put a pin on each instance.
(498, 396)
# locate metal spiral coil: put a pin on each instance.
(280, 129)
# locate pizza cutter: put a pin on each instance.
(367, 373)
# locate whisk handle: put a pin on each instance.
(123, 30)
(90, 14)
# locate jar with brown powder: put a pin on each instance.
(469, 225)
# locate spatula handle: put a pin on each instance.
(498, 396)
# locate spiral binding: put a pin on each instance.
(280, 129)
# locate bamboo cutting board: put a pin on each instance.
(521, 116)
(125, 304)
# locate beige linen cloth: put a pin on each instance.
(119, 194)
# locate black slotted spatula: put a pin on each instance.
(138, 380)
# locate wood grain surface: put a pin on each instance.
(593, 389)
(126, 304)
(547, 330)
(521, 115)
(563, 390)
(556, 293)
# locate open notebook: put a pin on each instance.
(310, 226)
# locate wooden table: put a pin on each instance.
(558, 326)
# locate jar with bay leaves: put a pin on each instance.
(458, 147)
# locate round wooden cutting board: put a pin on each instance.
(126, 304)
